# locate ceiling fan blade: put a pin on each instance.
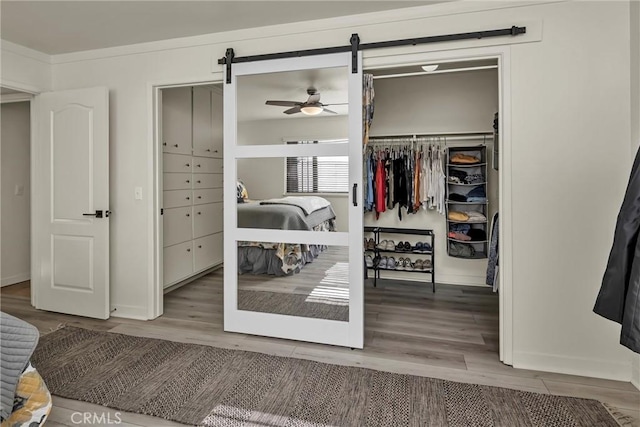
(293, 110)
(342, 103)
(313, 99)
(326, 110)
(283, 103)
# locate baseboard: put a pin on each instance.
(129, 312)
(447, 279)
(594, 368)
(635, 371)
(16, 278)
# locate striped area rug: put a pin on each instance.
(208, 386)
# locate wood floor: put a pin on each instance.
(452, 334)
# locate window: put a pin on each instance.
(324, 174)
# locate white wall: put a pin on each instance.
(570, 154)
(433, 104)
(264, 178)
(15, 209)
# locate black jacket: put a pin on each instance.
(619, 297)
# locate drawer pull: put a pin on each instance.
(164, 143)
(188, 250)
(199, 213)
(187, 165)
(198, 165)
(188, 181)
(188, 214)
(199, 246)
(215, 151)
(199, 197)
(188, 198)
(175, 145)
(208, 150)
(198, 181)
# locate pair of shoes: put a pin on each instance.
(387, 245)
(382, 263)
(404, 264)
(368, 260)
(403, 247)
(422, 247)
(422, 265)
(370, 244)
(391, 263)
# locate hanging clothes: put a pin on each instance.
(619, 297)
(368, 96)
(381, 180)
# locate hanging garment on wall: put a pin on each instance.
(619, 297)
(492, 265)
(368, 95)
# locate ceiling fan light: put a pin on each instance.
(430, 68)
(311, 110)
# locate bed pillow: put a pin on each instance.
(241, 192)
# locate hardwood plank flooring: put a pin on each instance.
(452, 334)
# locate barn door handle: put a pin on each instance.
(354, 194)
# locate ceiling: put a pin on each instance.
(56, 27)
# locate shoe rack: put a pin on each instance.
(380, 251)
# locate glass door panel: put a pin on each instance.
(293, 171)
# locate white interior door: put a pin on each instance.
(70, 219)
(320, 299)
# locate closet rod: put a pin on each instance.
(428, 138)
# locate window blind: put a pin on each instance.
(318, 174)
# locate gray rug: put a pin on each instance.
(197, 384)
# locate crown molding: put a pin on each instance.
(349, 23)
(7, 46)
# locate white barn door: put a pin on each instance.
(70, 210)
(282, 279)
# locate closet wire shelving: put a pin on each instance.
(377, 231)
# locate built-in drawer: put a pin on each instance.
(207, 196)
(207, 165)
(177, 163)
(177, 262)
(176, 181)
(182, 147)
(207, 152)
(207, 251)
(207, 219)
(178, 225)
(207, 180)
(176, 198)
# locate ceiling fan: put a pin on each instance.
(311, 107)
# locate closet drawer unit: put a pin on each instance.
(177, 263)
(207, 165)
(210, 151)
(207, 251)
(177, 163)
(207, 219)
(176, 198)
(207, 196)
(207, 180)
(176, 181)
(178, 223)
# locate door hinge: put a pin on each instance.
(161, 211)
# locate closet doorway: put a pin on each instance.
(436, 105)
(15, 153)
(189, 184)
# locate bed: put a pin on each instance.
(289, 213)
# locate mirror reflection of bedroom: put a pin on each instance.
(293, 193)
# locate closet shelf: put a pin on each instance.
(477, 255)
(430, 270)
(467, 222)
(465, 165)
(468, 185)
(467, 241)
(399, 252)
(453, 202)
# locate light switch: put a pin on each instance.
(138, 193)
(19, 190)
